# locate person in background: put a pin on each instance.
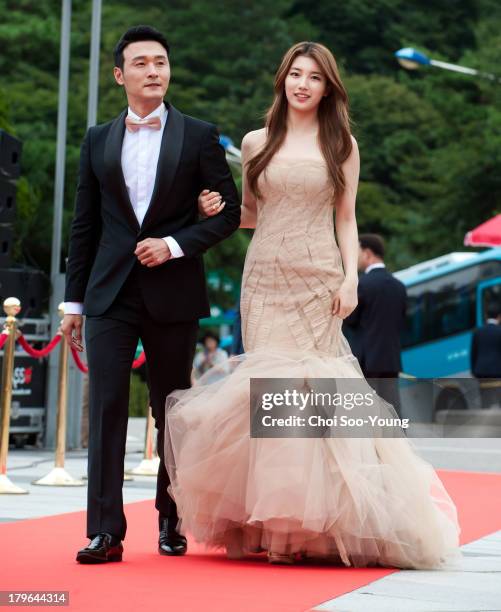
(486, 345)
(374, 327)
(485, 355)
(210, 356)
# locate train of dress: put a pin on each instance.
(359, 501)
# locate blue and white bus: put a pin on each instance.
(446, 302)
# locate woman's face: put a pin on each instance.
(305, 85)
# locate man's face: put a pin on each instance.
(146, 72)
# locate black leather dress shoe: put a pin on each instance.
(170, 542)
(101, 549)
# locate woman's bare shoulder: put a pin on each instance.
(354, 153)
(254, 140)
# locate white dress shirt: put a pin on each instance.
(373, 266)
(140, 152)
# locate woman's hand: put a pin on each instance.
(346, 299)
(210, 203)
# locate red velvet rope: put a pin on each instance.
(79, 363)
(3, 339)
(137, 363)
(39, 353)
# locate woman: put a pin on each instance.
(361, 501)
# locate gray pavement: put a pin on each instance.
(474, 585)
(24, 466)
(468, 454)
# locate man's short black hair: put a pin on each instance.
(135, 34)
(374, 242)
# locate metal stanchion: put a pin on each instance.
(149, 465)
(58, 476)
(12, 307)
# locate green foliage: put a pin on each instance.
(430, 140)
(139, 397)
(363, 33)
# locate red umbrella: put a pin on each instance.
(487, 234)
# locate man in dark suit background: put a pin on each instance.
(374, 327)
(485, 356)
(135, 270)
(485, 352)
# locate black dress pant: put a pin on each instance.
(111, 341)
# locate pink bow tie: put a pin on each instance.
(133, 125)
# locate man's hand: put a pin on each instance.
(71, 327)
(152, 252)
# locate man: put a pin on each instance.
(135, 263)
(485, 356)
(374, 327)
(486, 345)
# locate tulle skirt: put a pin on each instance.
(358, 501)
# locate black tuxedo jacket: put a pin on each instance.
(486, 351)
(105, 230)
(377, 322)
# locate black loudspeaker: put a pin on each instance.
(10, 155)
(7, 201)
(28, 285)
(6, 240)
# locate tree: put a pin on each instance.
(430, 141)
(220, 73)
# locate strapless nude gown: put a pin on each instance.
(360, 501)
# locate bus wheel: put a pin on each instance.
(19, 440)
(451, 399)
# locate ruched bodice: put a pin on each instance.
(293, 265)
(297, 196)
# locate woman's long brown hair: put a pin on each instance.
(333, 118)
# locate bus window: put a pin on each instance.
(413, 330)
(441, 306)
(489, 295)
(450, 310)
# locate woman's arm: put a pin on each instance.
(346, 222)
(215, 174)
(210, 203)
(249, 210)
(347, 235)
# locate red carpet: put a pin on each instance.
(38, 554)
